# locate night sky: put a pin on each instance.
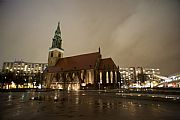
(133, 32)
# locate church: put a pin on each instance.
(84, 71)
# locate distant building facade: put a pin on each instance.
(175, 76)
(139, 75)
(20, 74)
(175, 83)
(85, 71)
(24, 67)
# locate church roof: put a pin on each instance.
(79, 62)
(107, 64)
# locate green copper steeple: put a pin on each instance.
(57, 40)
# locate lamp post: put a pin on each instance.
(119, 85)
(99, 85)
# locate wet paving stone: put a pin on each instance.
(79, 105)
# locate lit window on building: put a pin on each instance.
(100, 76)
(89, 77)
(111, 76)
(107, 77)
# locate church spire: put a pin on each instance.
(58, 31)
(57, 40)
(56, 51)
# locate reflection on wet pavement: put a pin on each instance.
(81, 105)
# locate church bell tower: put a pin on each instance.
(55, 51)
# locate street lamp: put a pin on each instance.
(99, 85)
(119, 85)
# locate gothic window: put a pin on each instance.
(73, 76)
(66, 75)
(51, 54)
(54, 79)
(100, 77)
(60, 77)
(116, 77)
(82, 74)
(76, 79)
(107, 77)
(59, 55)
(111, 76)
(89, 77)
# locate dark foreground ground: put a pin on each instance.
(59, 105)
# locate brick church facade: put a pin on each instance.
(85, 71)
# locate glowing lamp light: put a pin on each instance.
(13, 85)
(83, 84)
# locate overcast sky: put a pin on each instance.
(133, 32)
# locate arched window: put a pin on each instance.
(107, 77)
(59, 55)
(51, 54)
(89, 81)
(100, 76)
(115, 77)
(111, 76)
